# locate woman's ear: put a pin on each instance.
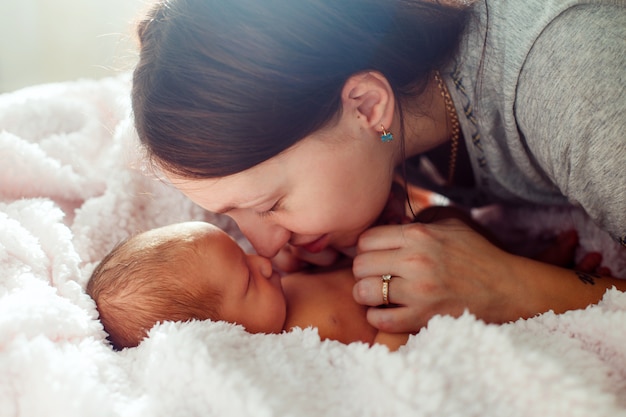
(368, 96)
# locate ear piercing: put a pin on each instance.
(385, 136)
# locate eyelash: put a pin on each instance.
(271, 211)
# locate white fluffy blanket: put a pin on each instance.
(71, 187)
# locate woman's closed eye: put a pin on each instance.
(271, 210)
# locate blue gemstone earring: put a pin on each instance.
(385, 136)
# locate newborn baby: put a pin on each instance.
(194, 270)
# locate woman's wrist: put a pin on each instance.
(540, 287)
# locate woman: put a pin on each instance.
(294, 117)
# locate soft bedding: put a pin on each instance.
(72, 184)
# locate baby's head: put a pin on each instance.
(180, 272)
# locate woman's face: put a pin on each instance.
(323, 191)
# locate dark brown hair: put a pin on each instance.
(224, 85)
(135, 289)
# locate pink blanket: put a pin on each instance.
(72, 185)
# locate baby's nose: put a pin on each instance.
(263, 265)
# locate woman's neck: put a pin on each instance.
(427, 131)
(426, 124)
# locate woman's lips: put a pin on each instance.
(317, 245)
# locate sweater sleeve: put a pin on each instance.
(571, 110)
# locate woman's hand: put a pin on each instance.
(437, 268)
(447, 267)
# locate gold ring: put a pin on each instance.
(386, 280)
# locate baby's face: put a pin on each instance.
(250, 289)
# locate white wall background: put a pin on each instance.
(59, 40)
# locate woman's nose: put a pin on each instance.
(267, 238)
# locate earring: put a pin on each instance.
(385, 136)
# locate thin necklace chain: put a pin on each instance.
(454, 124)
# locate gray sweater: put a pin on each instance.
(542, 106)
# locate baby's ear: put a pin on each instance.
(369, 97)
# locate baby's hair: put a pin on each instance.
(136, 287)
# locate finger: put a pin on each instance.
(396, 236)
(381, 237)
(396, 319)
(376, 263)
(589, 262)
(369, 291)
